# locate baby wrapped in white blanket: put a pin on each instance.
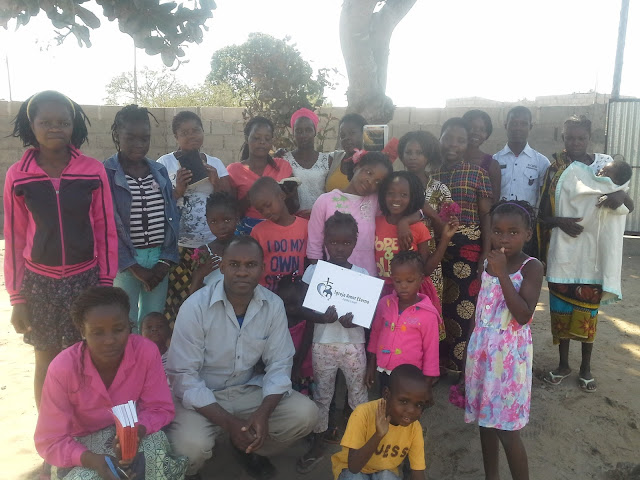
(594, 256)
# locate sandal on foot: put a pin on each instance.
(584, 384)
(306, 464)
(553, 379)
(332, 436)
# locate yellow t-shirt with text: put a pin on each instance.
(394, 446)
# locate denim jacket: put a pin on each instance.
(122, 210)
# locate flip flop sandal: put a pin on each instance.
(332, 437)
(305, 465)
(553, 379)
(584, 384)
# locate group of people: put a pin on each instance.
(99, 252)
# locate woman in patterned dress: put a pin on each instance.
(471, 190)
(480, 130)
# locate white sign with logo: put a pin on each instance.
(348, 291)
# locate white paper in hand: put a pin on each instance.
(348, 291)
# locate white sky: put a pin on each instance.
(500, 49)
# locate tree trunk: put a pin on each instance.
(365, 38)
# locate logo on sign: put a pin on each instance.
(325, 289)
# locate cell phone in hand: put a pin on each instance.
(192, 161)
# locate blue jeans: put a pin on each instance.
(381, 475)
(143, 302)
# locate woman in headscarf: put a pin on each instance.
(308, 165)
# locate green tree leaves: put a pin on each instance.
(269, 77)
(162, 89)
(158, 28)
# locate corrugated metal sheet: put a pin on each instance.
(623, 138)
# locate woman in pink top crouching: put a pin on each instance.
(75, 430)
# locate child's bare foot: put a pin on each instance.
(555, 377)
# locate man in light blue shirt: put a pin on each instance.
(521, 166)
(222, 333)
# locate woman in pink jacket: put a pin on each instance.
(75, 430)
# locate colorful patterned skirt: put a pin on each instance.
(160, 463)
(48, 302)
(436, 275)
(574, 311)
(179, 283)
(460, 292)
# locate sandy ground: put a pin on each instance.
(572, 434)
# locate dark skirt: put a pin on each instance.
(179, 283)
(48, 302)
(461, 287)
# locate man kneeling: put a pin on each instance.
(222, 331)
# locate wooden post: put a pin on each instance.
(622, 34)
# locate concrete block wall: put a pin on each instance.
(223, 128)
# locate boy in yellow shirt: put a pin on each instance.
(380, 434)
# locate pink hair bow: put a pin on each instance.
(391, 149)
(357, 156)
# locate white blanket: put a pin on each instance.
(595, 256)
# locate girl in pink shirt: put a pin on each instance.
(359, 199)
(255, 163)
(75, 430)
(405, 328)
